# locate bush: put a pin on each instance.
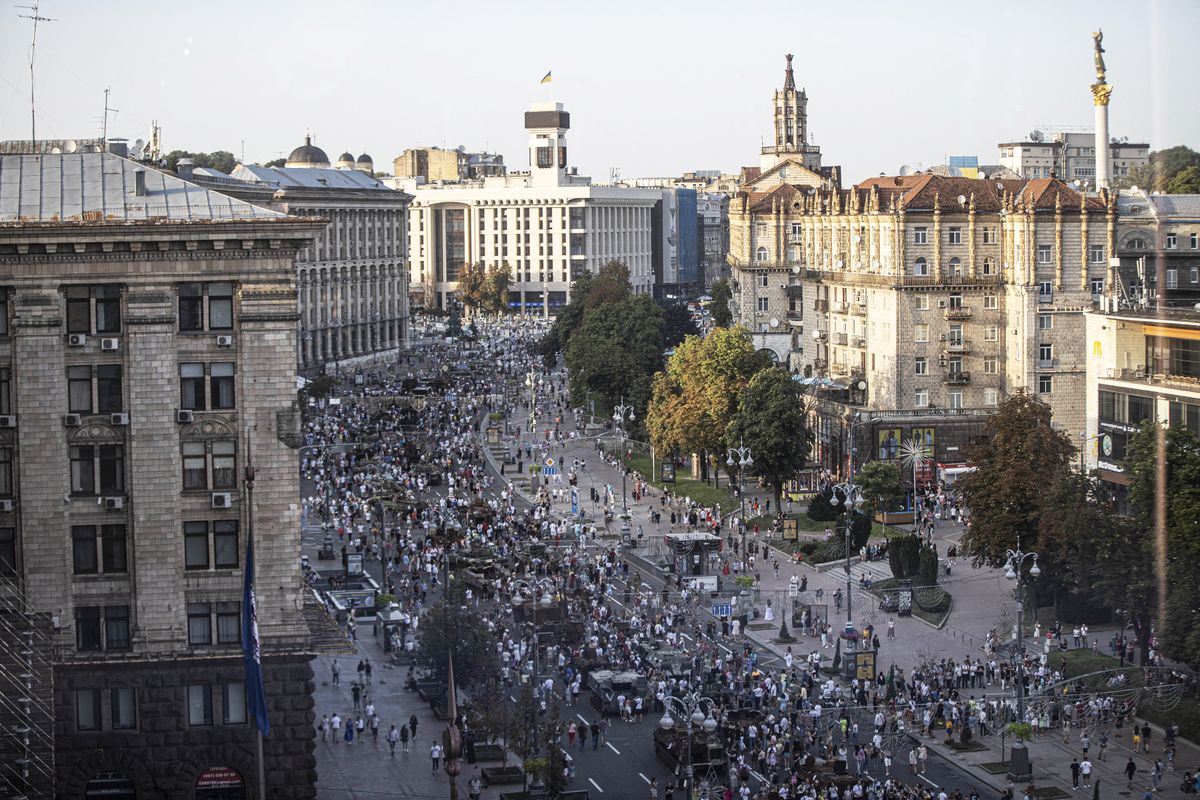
(820, 509)
(927, 574)
(744, 581)
(808, 547)
(904, 555)
(860, 532)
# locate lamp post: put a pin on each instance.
(852, 501)
(621, 412)
(1019, 766)
(533, 381)
(697, 711)
(540, 594)
(741, 457)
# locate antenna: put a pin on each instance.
(104, 125)
(32, 50)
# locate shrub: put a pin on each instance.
(927, 574)
(904, 555)
(820, 509)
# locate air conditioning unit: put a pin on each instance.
(110, 344)
(114, 503)
(941, 303)
(222, 500)
(224, 341)
(185, 415)
(72, 420)
(6, 506)
(76, 339)
(8, 422)
(119, 419)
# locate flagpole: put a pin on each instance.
(260, 766)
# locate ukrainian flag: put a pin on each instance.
(545, 79)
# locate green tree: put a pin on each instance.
(677, 323)
(1163, 166)
(318, 387)
(904, 555)
(611, 285)
(1164, 466)
(449, 627)
(219, 159)
(496, 288)
(472, 279)
(567, 321)
(719, 307)
(881, 485)
(1186, 181)
(278, 162)
(771, 421)
(1020, 456)
(616, 351)
(927, 570)
(697, 393)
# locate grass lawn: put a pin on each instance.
(1186, 713)
(703, 493)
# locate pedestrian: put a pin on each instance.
(571, 730)
(374, 725)
(323, 726)
(412, 726)
(1085, 771)
(392, 737)
(1156, 775)
(335, 727)
(356, 693)
(1145, 737)
(595, 728)
(1075, 774)
(360, 729)
(474, 787)
(1103, 745)
(912, 761)
(1130, 771)
(336, 668)
(404, 737)
(349, 735)
(435, 755)
(654, 789)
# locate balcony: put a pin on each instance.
(859, 341)
(957, 312)
(858, 309)
(795, 315)
(956, 346)
(958, 378)
(840, 338)
(841, 308)
(795, 238)
(820, 363)
(838, 368)
(1047, 363)
(822, 306)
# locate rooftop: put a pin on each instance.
(311, 178)
(100, 187)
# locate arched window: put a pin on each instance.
(760, 254)
(989, 265)
(920, 266)
(955, 267)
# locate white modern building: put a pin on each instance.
(547, 225)
(1070, 156)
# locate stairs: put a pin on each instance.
(326, 637)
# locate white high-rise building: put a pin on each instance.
(547, 225)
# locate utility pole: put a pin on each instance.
(104, 124)
(32, 50)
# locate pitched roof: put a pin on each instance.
(312, 178)
(96, 187)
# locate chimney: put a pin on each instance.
(183, 168)
(139, 182)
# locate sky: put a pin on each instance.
(654, 87)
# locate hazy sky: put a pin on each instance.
(655, 87)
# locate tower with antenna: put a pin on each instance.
(36, 17)
(104, 123)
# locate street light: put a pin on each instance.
(697, 710)
(1016, 560)
(621, 412)
(540, 594)
(741, 457)
(534, 381)
(853, 502)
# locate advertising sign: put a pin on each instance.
(889, 443)
(668, 472)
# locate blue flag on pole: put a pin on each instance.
(255, 696)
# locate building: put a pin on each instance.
(1158, 243)
(1143, 364)
(1070, 155)
(147, 357)
(353, 279)
(547, 225)
(435, 165)
(713, 210)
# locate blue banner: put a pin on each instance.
(255, 696)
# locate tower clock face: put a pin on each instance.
(1106, 445)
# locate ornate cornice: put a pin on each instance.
(147, 297)
(35, 300)
(210, 428)
(160, 320)
(280, 316)
(92, 429)
(268, 294)
(37, 322)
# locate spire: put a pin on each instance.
(789, 81)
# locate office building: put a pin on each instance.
(1070, 155)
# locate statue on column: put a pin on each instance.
(1098, 37)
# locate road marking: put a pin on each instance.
(593, 783)
(582, 719)
(643, 777)
(757, 777)
(610, 747)
(922, 777)
(510, 697)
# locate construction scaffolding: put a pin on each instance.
(26, 697)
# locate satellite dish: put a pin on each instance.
(1036, 136)
(818, 335)
(72, 146)
(774, 322)
(962, 199)
(857, 238)
(838, 263)
(906, 170)
(796, 270)
(862, 386)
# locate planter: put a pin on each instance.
(490, 752)
(498, 776)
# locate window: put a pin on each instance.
(1096, 254)
(954, 365)
(990, 365)
(1045, 292)
(956, 300)
(4, 305)
(1097, 285)
(6, 471)
(108, 308)
(764, 303)
(920, 236)
(989, 301)
(111, 463)
(1045, 384)
(191, 386)
(921, 302)
(1194, 239)
(1044, 254)
(199, 622)
(955, 267)
(87, 709)
(87, 628)
(920, 267)
(764, 280)
(1172, 242)
(79, 310)
(8, 552)
(116, 627)
(79, 390)
(760, 254)
(921, 398)
(225, 543)
(989, 235)
(955, 399)
(921, 365)
(114, 556)
(220, 306)
(192, 306)
(798, 230)
(233, 703)
(108, 388)
(224, 465)
(124, 709)
(5, 390)
(545, 157)
(1045, 352)
(1045, 322)
(1172, 278)
(955, 236)
(229, 623)
(84, 550)
(921, 332)
(989, 265)
(1193, 276)
(107, 302)
(200, 710)
(955, 336)
(195, 545)
(195, 466)
(83, 475)
(991, 397)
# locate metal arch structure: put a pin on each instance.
(1162, 687)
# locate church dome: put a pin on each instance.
(345, 160)
(365, 159)
(309, 155)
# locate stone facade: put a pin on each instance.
(106, 474)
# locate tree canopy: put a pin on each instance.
(448, 627)
(218, 159)
(719, 307)
(771, 421)
(881, 485)
(615, 352)
(1020, 456)
(677, 323)
(484, 289)
(1164, 167)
